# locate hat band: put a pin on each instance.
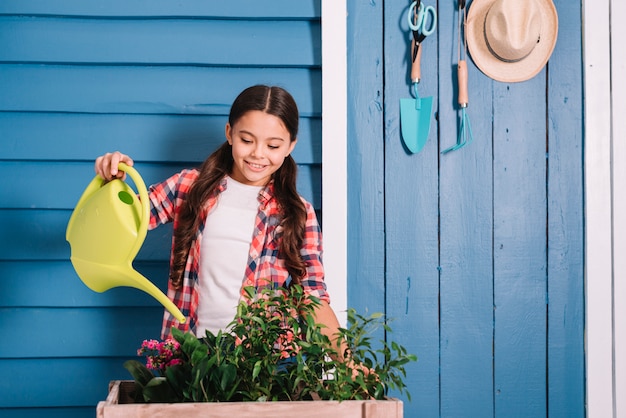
(494, 53)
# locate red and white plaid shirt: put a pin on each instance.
(264, 264)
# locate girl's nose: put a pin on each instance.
(257, 151)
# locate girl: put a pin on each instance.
(238, 220)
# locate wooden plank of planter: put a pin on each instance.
(111, 408)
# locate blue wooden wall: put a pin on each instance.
(477, 254)
(155, 79)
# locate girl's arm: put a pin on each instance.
(324, 315)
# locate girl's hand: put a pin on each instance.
(106, 166)
(360, 368)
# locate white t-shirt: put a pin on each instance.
(224, 254)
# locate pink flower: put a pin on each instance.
(174, 362)
(160, 354)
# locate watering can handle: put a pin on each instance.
(143, 197)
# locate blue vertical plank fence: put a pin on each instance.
(483, 254)
(154, 79)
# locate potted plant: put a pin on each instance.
(272, 351)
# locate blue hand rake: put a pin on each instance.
(465, 130)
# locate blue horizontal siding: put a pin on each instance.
(148, 138)
(78, 412)
(59, 185)
(146, 89)
(164, 41)
(32, 282)
(114, 331)
(154, 79)
(59, 382)
(234, 9)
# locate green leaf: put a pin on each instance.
(259, 321)
(176, 377)
(199, 353)
(139, 371)
(229, 373)
(159, 390)
(256, 370)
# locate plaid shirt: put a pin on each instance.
(264, 263)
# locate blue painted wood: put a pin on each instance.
(520, 271)
(149, 89)
(81, 412)
(77, 332)
(366, 231)
(236, 9)
(60, 185)
(59, 382)
(566, 357)
(411, 212)
(154, 79)
(148, 138)
(466, 216)
(40, 279)
(162, 41)
(507, 222)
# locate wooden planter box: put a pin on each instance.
(119, 405)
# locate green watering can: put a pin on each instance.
(106, 231)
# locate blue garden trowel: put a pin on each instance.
(415, 113)
(106, 231)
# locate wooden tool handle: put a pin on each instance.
(416, 72)
(462, 78)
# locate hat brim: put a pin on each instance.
(510, 72)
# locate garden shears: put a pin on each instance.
(422, 22)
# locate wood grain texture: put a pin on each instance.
(566, 307)
(411, 213)
(466, 236)
(238, 9)
(74, 412)
(478, 239)
(80, 382)
(520, 264)
(146, 89)
(29, 284)
(366, 229)
(154, 79)
(59, 185)
(147, 138)
(114, 408)
(171, 41)
(114, 331)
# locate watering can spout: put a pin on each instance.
(106, 231)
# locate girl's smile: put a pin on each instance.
(260, 143)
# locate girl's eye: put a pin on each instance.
(273, 146)
(246, 141)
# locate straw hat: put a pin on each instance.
(511, 40)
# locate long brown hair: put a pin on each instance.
(274, 101)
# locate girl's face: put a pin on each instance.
(260, 144)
